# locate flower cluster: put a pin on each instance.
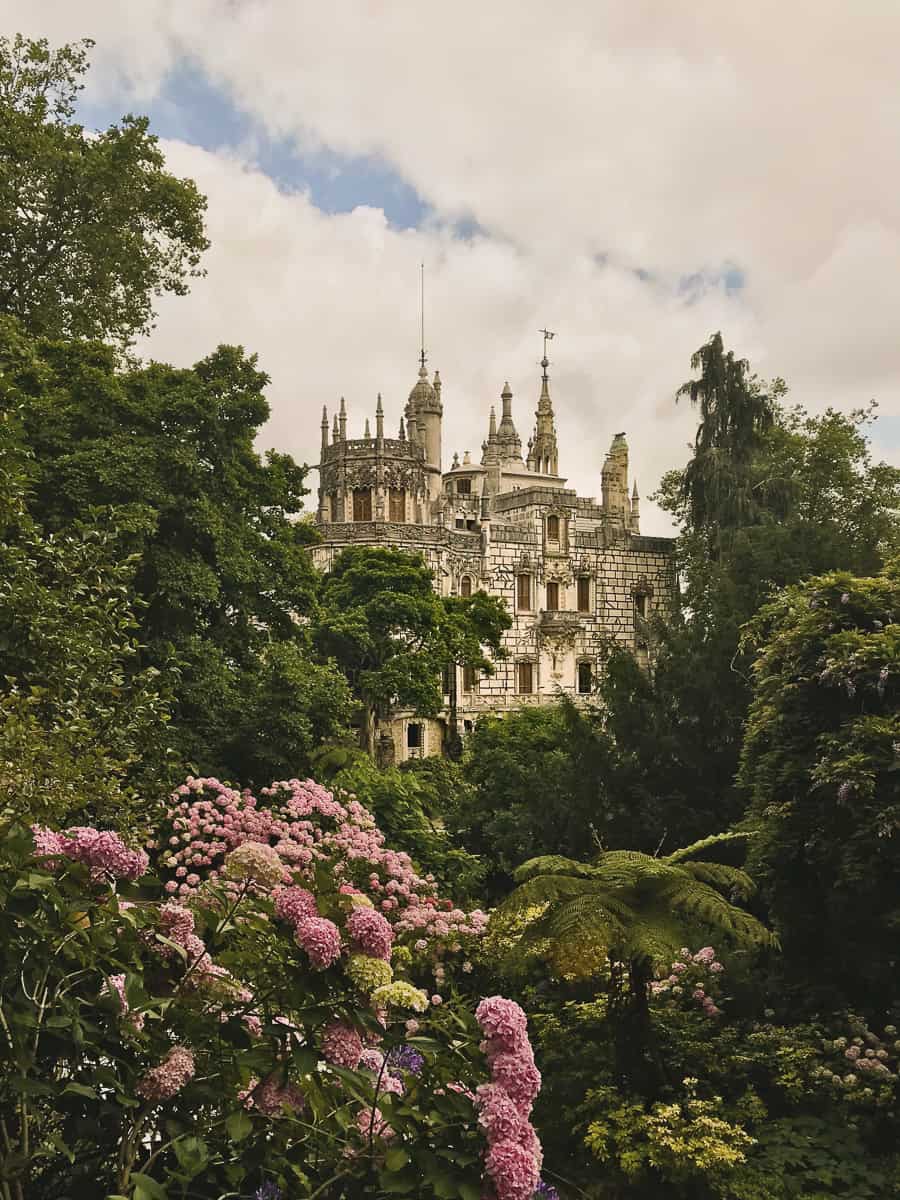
(694, 979)
(272, 1096)
(405, 1058)
(514, 1157)
(860, 1062)
(370, 933)
(304, 825)
(255, 863)
(400, 994)
(368, 974)
(341, 1045)
(100, 849)
(321, 939)
(165, 1080)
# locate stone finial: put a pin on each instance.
(324, 427)
(379, 418)
(367, 435)
(402, 434)
(455, 460)
(342, 420)
(467, 459)
(335, 431)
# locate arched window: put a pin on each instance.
(553, 529)
(585, 678)
(523, 593)
(465, 585)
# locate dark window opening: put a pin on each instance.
(526, 677)
(553, 529)
(362, 504)
(414, 737)
(468, 679)
(584, 594)
(460, 523)
(523, 593)
(553, 596)
(471, 524)
(640, 605)
(465, 586)
(468, 726)
(397, 505)
(464, 487)
(585, 678)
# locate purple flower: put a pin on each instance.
(546, 1192)
(268, 1191)
(405, 1058)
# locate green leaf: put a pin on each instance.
(147, 1188)
(398, 1183)
(192, 1154)
(396, 1160)
(79, 1089)
(238, 1125)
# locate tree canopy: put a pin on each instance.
(92, 226)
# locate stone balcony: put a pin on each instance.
(559, 621)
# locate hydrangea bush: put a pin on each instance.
(251, 1002)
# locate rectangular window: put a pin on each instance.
(523, 593)
(553, 596)
(585, 678)
(362, 504)
(414, 737)
(584, 593)
(397, 505)
(468, 679)
(525, 681)
(553, 529)
(640, 605)
(464, 487)
(460, 523)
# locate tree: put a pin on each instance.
(469, 624)
(392, 634)
(717, 486)
(92, 226)
(621, 915)
(820, 764)
(222, 573)
(82, 723)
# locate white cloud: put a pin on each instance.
(671, 137)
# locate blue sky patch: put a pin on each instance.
(191, 109)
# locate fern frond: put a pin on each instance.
(707, 843)
(545, 889)
(550, 864)
(725, 879)
(703, 905)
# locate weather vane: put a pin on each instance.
(548, 337)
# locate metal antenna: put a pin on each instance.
(548, 337)
(422, 311)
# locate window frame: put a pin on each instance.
(554, 584)
(579, 667)
(586, 606)
(521, 665)
(528, 606)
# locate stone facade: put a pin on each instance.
(573, 571)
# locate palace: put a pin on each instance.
(573, 571)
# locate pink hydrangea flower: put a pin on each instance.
(503, 1021)
(513, 1170)
(165, 1080)
(520, 1078)
(295, 904)
(370, 933)
(321, 939)
(341, 1045)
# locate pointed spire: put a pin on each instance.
(335, 432)
(324, 427)
(342, 420)
(510, 445)
(634, 492)
(544, 455)
(402, 434)
(367, 435)
(492, 426)
(379, 418)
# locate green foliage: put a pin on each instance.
(82, 723)
(408, 803)
(392, 635)
(628, 906)
(92, 226)
(222, 573)
(821, 766)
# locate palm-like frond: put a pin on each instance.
(730, 880)
(707, 843)
(630, 905)
(551, 864)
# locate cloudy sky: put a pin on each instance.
(633, 174)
